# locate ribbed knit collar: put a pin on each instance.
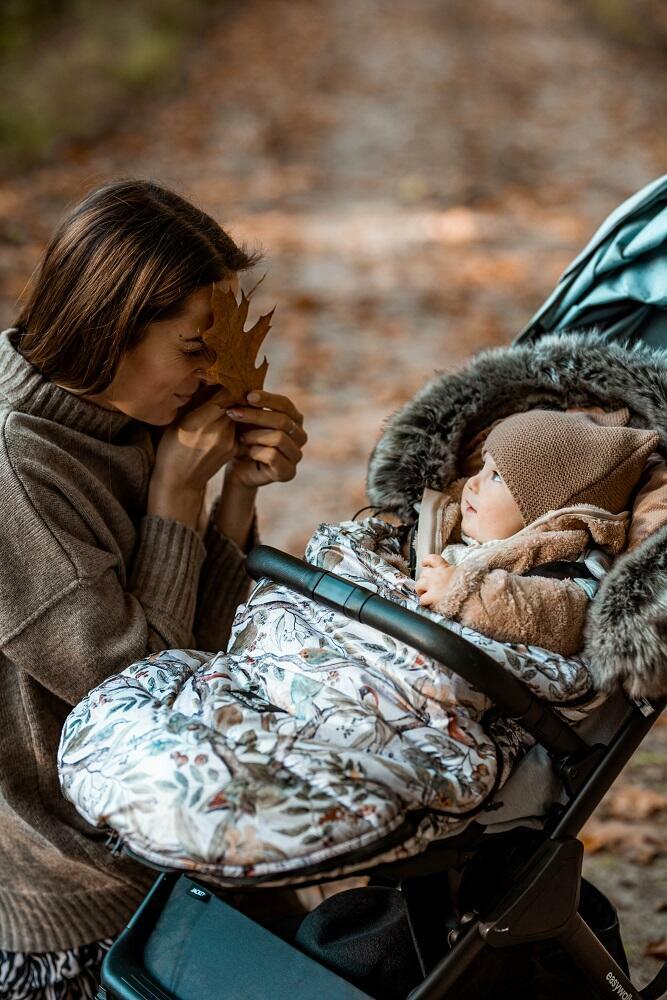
(28, 391)
(457, 552)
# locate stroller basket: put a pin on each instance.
(179, 908)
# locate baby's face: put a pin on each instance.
(488, 509)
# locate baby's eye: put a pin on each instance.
(497, 478)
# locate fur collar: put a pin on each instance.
(626, 632)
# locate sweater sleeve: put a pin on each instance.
(89, 626)
(534, 610)
(223, 585)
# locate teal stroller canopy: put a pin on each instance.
(618, 283)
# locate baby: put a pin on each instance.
(517, 551)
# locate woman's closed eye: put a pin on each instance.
(200, 352)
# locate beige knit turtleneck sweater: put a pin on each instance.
(89, 583)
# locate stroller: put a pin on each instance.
(499, 907)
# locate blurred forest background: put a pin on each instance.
(417, 174)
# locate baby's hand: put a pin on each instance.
(434, 579)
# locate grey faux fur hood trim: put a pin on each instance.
(626, 631)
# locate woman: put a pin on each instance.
(104, 462)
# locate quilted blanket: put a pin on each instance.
(313, 743)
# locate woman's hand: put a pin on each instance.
(270, 440)
(434, 580)
(196, 445)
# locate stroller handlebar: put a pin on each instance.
(452, 650)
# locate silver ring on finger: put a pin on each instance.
(290, 432)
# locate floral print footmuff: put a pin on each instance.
(312, 744)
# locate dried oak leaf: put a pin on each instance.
(236, 349)
(639, 842)
(635, 801)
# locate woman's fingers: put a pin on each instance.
(271, 419)
(274, 439)
(276, 402)
(269, 409)
(281, 468)
(206, 407)
(270, 447)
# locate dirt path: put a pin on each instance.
(418, 174)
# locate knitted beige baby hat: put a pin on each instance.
(550, 460)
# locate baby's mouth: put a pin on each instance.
(469, 506)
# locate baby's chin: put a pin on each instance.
(469, 526)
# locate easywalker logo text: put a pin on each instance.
(617, 988)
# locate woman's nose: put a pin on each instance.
(206, 362)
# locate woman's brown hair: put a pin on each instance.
(129, 253)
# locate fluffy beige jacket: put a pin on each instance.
(488, 592)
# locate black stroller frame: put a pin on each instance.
(537, 896)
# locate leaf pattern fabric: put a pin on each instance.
(313, 743)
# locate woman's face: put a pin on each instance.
(488, 509)
(160, 374)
